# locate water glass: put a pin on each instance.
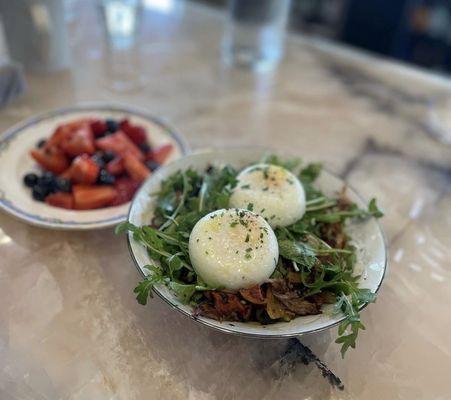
(255, 32)
(36, 34)
(121, 20)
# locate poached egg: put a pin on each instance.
(233, 249)
(271, 191)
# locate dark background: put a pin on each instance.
(415, 31)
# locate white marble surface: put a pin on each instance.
(70, 327)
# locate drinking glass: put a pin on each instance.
(36, 34)
(123, 64)
(255, 32)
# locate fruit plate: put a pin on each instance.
(367, 237)
(15, 162)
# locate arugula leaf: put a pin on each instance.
(182, 291)
(171, 249)
(219, 200)
(144, 289)
(291, 164)
(354, 212)
(216, 188)
(185, 189)
(307, 176)
(365, 296)
(186, 221)
(174, 263)
(309, 173)
(298, 252)
(374, 210)
(350, 306)
(167, 203)
(124, 227)
(299, 227)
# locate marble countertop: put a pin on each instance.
(70, 327)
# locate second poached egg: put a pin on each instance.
(271, 191)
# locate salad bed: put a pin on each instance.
(315, 265)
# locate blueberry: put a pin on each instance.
(47, 179)
(30, 180)
(152, 165)
(50, 176)
(41, 143)
(63, 185)
(145, 147)
(109, 156)
(98, 158)
(112, 125)
(105, 178)
(39, 192)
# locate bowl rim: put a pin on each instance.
(17, 129)
(226, 329)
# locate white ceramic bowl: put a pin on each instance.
(15, 162)
(367, 235)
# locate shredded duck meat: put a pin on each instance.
(291, 298)
(254, 294)
(224, 306)
(276, 309)
(280, 299)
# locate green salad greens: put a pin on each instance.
(315, 266)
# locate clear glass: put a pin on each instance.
(255, 32)
(123, 64)
(36, 34)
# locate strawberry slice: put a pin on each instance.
(51, 159)
(79, 141)
(98, 127)
(125, 188)
(120, 144)
(135, 168)
(65, 130)
(115, 166)
(161, 153)
(136, 133)
(88, 197)
(66, 174)
(84, 170)
(62, 200)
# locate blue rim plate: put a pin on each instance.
(15, 162)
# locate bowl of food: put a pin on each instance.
(257, 245)
(79, 167)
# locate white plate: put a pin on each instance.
(15, 162)
(367, 235)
